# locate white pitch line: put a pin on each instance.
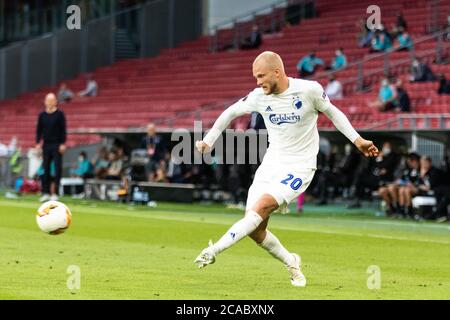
(151, 215)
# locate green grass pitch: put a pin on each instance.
(134, 252)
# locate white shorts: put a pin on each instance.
(283, 182)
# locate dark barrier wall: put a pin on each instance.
(12, 71)
(99, 43)
(68, 56)
(187, 20)
(156, 18)
(47, 60)
(39, 71)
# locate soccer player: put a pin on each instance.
(290, 109)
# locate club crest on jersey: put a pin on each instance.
(297, 103)
(279, 119)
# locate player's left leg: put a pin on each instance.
(253, 218)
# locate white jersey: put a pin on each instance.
(290, 119)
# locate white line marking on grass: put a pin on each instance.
(178, 216)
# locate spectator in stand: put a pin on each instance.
(380, 174)
(429, 178)
(114, 171)
(387, 97)
(64, 93)
(84, 169)
(307, 66)
(255, 39)
(400, 190)
(91, 89)
(404, 40)
(334, 89)
(101, 163)
(365, 34)
(381, 42)
(444, 85)
(339, 61)
(421, 72)
(156, 150)
(404, 103)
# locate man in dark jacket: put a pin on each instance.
(154, 145)
(51, 139)
(255, 39)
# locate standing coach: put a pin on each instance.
(51, 129)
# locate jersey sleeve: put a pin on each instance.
(245, 105)
(319, 98)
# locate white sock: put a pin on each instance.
(276, 249)
(239, 230)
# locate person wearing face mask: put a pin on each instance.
(387, 97)
(84, 169)
(404, 103)
(404, 40)
(381, 42)
(307, 65)
(340, 60)
(421, 72)
(402, 189)
(381, 175)
(386, 191)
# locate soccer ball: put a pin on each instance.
(53, 217)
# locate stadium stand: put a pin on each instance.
(203, 82)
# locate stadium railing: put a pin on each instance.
(365, 79)
(411, 121)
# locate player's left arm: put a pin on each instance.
(341, 122)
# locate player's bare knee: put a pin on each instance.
(265, 205)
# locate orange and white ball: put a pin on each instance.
(53, 217)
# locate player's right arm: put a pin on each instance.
(243, 106)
